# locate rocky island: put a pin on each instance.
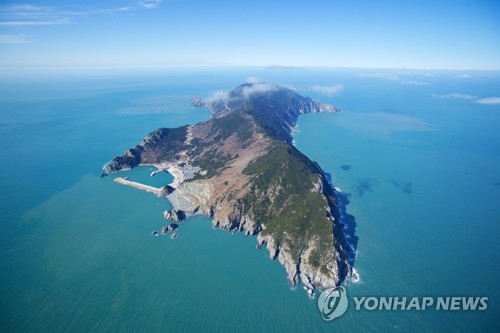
(241, 169)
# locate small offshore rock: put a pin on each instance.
(172, 227)
(197, 101)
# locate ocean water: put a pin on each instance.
(418, 163)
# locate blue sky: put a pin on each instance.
(435, 34)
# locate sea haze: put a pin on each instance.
(416, 154)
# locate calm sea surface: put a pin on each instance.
(416, 153)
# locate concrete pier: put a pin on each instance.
(139, 186)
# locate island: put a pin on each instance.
(241, 169)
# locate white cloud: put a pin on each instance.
(394, 77)
(27, 7)
(30, 15)
(416, 83)
(217, 95)
(475, 99)
(288, 86)
(14, 39)
(31, 23)
(258, 88)
(253, 80)
(489, 101)
(463, 76)
(328, 90)
(456, 96)
(149, 3)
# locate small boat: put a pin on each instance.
(154, 233)
(174, 235)
(164, 229)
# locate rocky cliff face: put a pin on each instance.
(164, 144)
(255, 181)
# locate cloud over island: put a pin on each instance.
(489, 101)
(254, 86)
(471, 98)
(328, 90)
(456, 96)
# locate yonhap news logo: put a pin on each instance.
(333, 303)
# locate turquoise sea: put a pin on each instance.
(417, 155)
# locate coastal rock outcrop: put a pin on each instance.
(174, 215)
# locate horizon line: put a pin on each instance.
(270, 67)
